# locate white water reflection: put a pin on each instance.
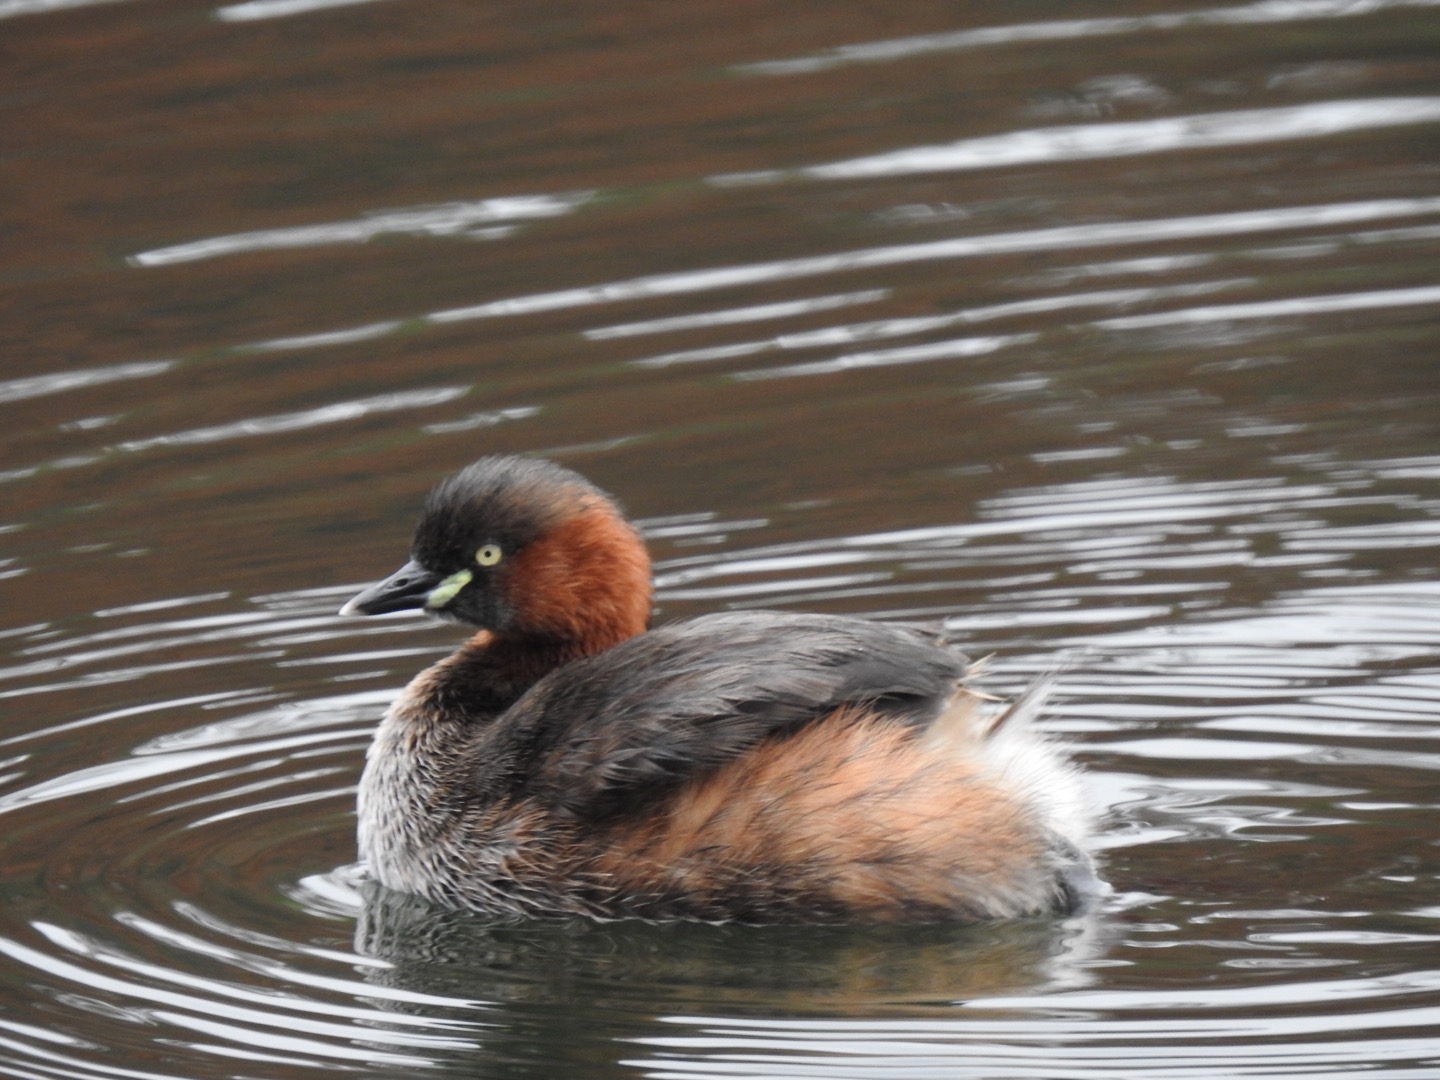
(881, 329)
(728, 317)
(10, 8)
(249, 427)
(1025, 241)
(1076, 561)
(483, 419)
(349, 336)
(297, 421)
(955, 349)
(1266, 11)
(1062, 238)
(277, 9)
(1079, 142)
(57, 382)
(1271, 309)
(1159, 264)
(485, 219)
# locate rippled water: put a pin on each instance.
(1107, 333)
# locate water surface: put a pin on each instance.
(1105, 333)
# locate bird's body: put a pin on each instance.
(753, 766)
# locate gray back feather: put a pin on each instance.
(601, 734)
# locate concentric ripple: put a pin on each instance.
(197, 889)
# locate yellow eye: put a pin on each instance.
(489, 554)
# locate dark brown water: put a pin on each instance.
(1109, 333)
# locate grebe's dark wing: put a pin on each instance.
(627, 724)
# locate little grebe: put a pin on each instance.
(753, 766)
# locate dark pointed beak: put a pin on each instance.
(404, 590)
